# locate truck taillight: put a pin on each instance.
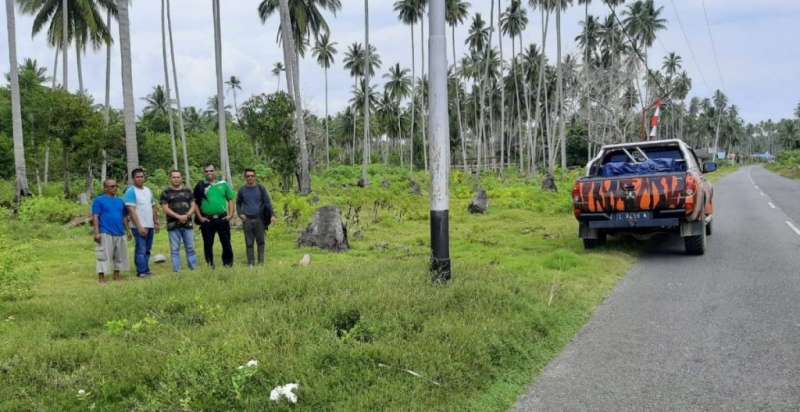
(690, 194)
(576, 198)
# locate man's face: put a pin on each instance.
(176, 179)
(250, 178)
(211, 174)
(110, 187)
(138, 179)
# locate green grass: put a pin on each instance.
(347, 328)
(787, 164)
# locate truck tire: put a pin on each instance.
(595, 243)
(708, 228)
(696, 245)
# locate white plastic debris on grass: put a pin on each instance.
(252, 363)
(285, 391)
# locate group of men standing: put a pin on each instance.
(212, 205)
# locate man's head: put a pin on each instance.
(138, 177)
(211, 173)
(250, 177)
(176, 178)
(110, 187)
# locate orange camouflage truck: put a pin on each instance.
(645, 188)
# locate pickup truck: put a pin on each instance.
(645, 188)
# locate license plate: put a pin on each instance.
(632, 216)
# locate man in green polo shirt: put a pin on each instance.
(216, 200)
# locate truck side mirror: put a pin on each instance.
(709, 167)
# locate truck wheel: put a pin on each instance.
(696, 245)
(594, 243)
(708, 228)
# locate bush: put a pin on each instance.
(50, 210)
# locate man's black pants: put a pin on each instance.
(223, 228)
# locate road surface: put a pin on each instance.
(713, 332)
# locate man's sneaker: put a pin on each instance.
(144, 275)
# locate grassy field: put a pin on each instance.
(362, 330)
(787, 164)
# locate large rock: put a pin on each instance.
(480, 203)
(326, 231)
(416, 190)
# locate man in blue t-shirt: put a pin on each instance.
(110, 221)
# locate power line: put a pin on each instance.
(713, 45)
(689, 44)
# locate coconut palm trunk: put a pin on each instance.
(166, 85)
(55, 68)
(413, 100)
(562, 133)
(107, 105)
(483, 80)
(502, 90)
(327, 120)
(458, 103)
(131, 149)
(65, 43)
(181, 128)
(293, 79)
(221, 120)
(366, 160)
(16, 110)
(79, 63)
(422, 96)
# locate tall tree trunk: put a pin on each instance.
(107, 101)
(65, 43)
(542, 61)
(502, 89)
(16, 110)
(166, 85)
(327, 120)
(413, 99)
(293, 79)
(484, 78)
(47, 162)
(422, 96)
(80, 66)
(367, 155)
(531, 142)
(562, 132)
(181, 128)
(221, 120)
(131, 148)
(519, 109)
(55, 68)
(458, 103)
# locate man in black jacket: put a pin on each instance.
(255, 210)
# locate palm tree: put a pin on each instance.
(325, 51)
(30, 74)
(221, 121)
(82, 23)
(398, 87)
(456, 12)
(131, 148)
(562, 131)
(157, 102)
(355, 60)
(513, 23)
(277, 70)
(306, 18)
(293, 82)
(16, 111)
(409, 13)
(234, 84)
(181, 127)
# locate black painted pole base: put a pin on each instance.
(440, 246)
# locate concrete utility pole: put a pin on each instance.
(367, 155)
(439, 131)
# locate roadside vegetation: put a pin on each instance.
(787, 164)
(361, 330)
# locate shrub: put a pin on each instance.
(50, 210)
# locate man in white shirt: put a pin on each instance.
(142, 209)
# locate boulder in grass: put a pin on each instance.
(480, 203)
(326, 231)
(362, 182)
(385, 184)
(159, 259)
(549, 183)
(415, 188)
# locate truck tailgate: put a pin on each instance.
(630, 194)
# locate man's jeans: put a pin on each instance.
(142, 250)
(254, 229)
(185, 236)
(214, 227)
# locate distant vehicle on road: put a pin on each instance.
(646, 188)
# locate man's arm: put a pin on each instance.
(127, 222)
(96, 224)
(156, 225)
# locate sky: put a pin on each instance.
(756, 47)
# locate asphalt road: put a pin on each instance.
(713, 332)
